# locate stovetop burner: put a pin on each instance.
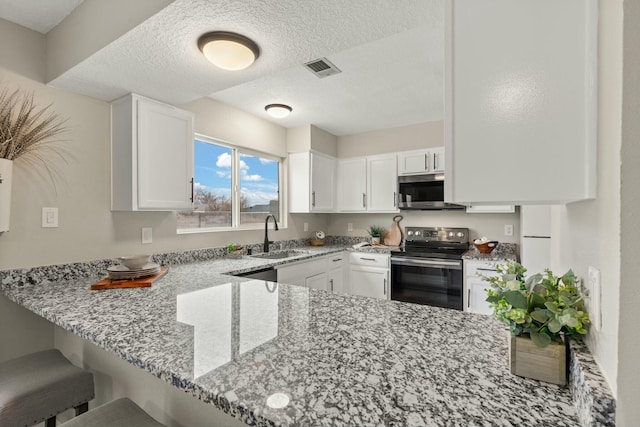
(435, 242)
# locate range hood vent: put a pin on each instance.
(322, 68)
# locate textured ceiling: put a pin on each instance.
(390, 52)
(38, 15)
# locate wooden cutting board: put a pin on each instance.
(143, 282)
(394, 234)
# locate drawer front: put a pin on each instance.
(371, 260)
(486, 268)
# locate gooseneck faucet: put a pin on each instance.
(265, 248)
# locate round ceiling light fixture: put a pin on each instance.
(278, 111)
(229, 51)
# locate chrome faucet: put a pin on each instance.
(265, 248)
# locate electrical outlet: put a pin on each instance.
(350, 226)
(306, 226)
(508, 230)
(595, 293)
(147, 235)
(49, 217)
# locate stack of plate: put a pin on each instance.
(121, 272)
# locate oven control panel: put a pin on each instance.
(436, 234)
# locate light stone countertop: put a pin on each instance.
(341, 360)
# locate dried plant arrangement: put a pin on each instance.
(28, 131)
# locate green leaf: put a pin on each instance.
(532, 281)
(516, 299)
(540, 316)
(554, 326)
(540, 340)
(537, 301)
(551, 306)
(569, 278)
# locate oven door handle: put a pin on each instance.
(419, 262)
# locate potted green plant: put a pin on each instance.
(542, 312)
(26, 130)
(376, 232)
(235, 251)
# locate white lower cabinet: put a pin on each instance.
(326, 273)
(318, 281)
(336, 273)
(369, 275)
(474, 287)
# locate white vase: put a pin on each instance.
(6, 172)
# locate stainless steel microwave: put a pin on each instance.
(423, 192)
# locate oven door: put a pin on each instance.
(435, 282)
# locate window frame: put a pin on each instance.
(236, 152)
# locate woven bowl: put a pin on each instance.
(315, 242)
(486, 247)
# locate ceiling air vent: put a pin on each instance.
(322, 67)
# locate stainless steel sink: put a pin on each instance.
(280, 254)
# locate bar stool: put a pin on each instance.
(118, 413)
(39, 386)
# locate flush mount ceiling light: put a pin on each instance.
(229, 51)
(278, 111)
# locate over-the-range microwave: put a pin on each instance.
(423, 192)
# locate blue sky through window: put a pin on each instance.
(258, 176)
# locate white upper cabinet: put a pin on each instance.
(382, 183)
(352, 185)
(151, 155)
(368, 184)
(437, 160)
(413, 162)
(312, 182)
(520, 101)
(421, 161)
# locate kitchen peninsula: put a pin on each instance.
(274, 354)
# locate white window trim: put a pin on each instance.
(235, 188)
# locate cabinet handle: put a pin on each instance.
(468, 298)
(395, 200)
(364, 200)
(384, 286)
(191, 190)
(336, 260)
(434, 162)
(426, 162)
(367, 259)
(331, 283)
(313, 199)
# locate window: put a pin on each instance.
(233, 188)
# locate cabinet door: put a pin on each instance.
(165, 156)
(335, 280)
(336, 272)
(413, 162)
(437, 160)
(476, 296)
(382, 177)
(352, 185)
(323, 183)
(502, 102)
(368, 281)
(318, 281)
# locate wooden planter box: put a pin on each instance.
(545, 364)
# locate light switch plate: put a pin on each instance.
(147, 235)
(508, 230)
(349, 226)
(306, 226)
(49, 217)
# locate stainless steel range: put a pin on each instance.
(428, 269)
